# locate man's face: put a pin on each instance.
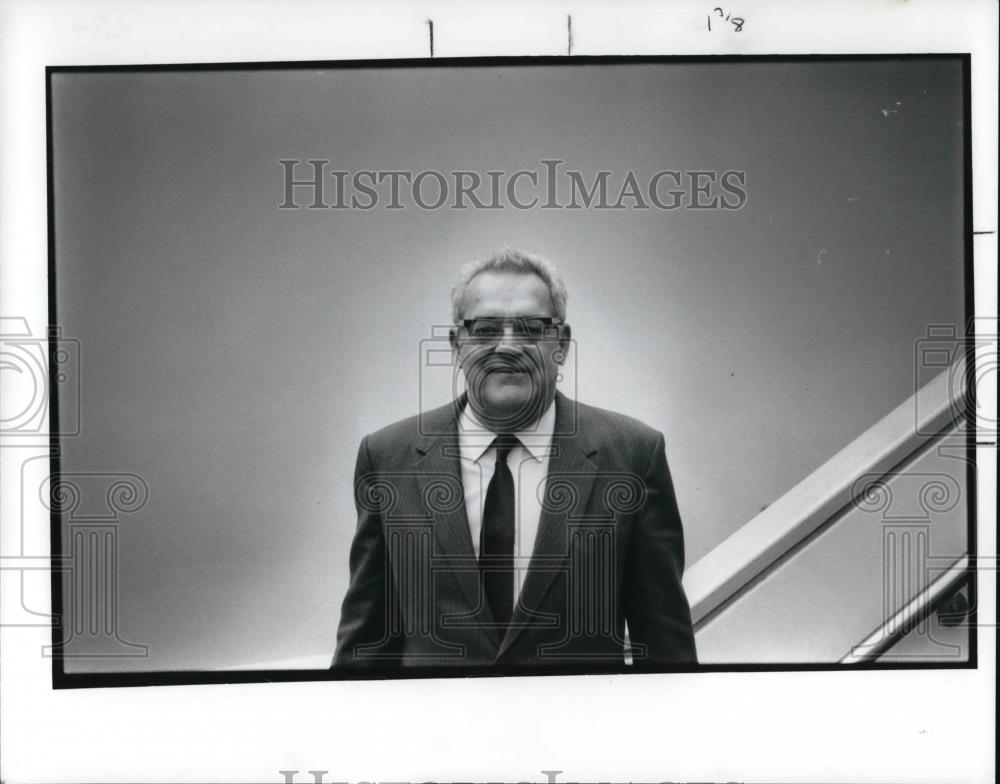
(510, 375)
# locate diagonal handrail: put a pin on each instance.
(725, 572)
(910, 614)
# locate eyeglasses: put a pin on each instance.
(528, 329)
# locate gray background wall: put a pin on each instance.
(234, 354)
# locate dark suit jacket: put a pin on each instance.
(609, 549)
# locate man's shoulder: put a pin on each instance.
(405, 433)
(604, 428)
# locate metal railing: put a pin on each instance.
(747, 555)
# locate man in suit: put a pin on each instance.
(514, 527)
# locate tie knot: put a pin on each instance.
(504, 443)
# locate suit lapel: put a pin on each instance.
(438, 459)
(569, 484)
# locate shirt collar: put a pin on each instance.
(474, 439)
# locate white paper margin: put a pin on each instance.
(926, 726)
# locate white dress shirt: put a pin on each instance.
(529, 465)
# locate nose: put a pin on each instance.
(508, 344)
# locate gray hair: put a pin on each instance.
(511, 260)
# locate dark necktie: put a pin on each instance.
(496, 541)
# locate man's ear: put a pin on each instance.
(453, 338)
(565, 334)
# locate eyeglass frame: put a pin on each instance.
(547, 322)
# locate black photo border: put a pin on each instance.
(63, 680)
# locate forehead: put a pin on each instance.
(505, 293)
